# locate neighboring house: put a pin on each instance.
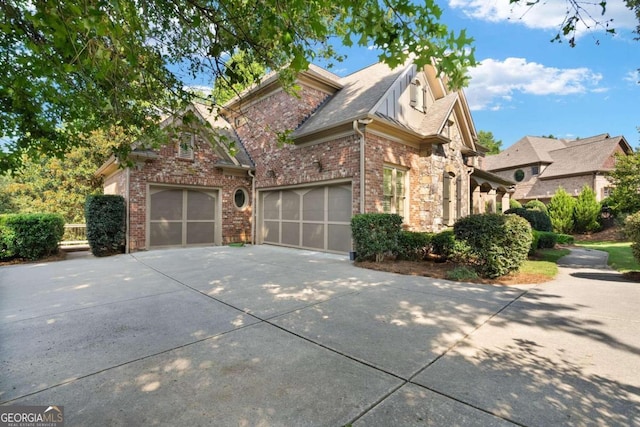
(542, 165)
(378, 140)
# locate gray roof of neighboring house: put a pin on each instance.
(563, 157)
(582, 156)
(360, 93)
(528, 150)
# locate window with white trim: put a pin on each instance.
(395, 188)
(185, 147)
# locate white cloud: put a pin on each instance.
(632, 77)
(495, 82)
(546, 15)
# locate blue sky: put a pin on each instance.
(526, 85)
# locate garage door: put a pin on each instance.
(182, 217)
(311, 218)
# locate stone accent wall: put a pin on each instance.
(199, 172)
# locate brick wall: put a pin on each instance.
(199, 172)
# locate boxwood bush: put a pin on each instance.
(547, 240)
(538, 219)
(30, 236)
(498, 243)
(375, 235)
(413, 245)
(565, 239)
(632, 231)
(106, 226)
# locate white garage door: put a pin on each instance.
(182, 217)
(311, 218)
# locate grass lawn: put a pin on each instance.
(544, 263)
(620, 255)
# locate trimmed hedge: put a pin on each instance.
(498, 244)
(375, 234)
(536, 205)
(414, 245)
(632, 231)
(564, 239)
(106, 226)
(30, 236)
(547, 240)
(538, 219)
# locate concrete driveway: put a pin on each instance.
(268, 336)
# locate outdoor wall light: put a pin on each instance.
(316, 163)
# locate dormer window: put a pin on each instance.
(417, 96)
(185, 147)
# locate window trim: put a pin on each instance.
(186, 153)
(246, 198)
(405, 201)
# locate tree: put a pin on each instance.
(561, 207)
(578, 13)
(53, 185)
(586, 211)
(71, 67)
(625, 177)
(486, 139)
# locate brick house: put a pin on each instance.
(379, 140)
(542, 165)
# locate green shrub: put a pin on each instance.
(586, 211)
(513, 204)
(536, 205)
(413, 245)
(375, 234)
(106, 226)
(539, 220)
(632, 231)
(461, 274)
(447, 247)
(547, 240)
(498, 243)
(535, 238)
(30, 236)
(561, 209)
(564, 239)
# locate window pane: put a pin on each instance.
(387, 184)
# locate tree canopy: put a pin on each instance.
(74, 66)
(486, 139)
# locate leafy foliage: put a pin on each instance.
(375, 234)
(632, 231)
(59, 185)
(547, 240)
(625, 197)
(565, 239)
(30, 236)
(414, 245)
(539, 220)
(498, 243)
(586, 211)
(75, 66)
(513, 203)
(578, 14)
(106, 225)
(561, 209)
(536, 205)
(486, 139)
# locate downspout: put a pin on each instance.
(356, 128)
(253, 206)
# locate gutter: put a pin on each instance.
(127, 242)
